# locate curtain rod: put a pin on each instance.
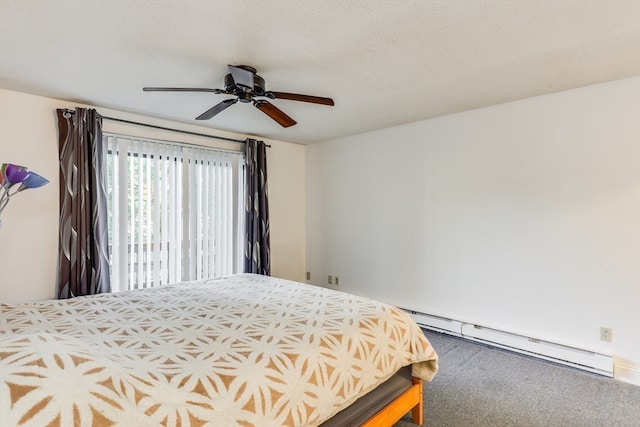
(166, 128)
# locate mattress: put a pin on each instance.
(245, 350)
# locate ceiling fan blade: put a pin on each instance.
(275, 113)
(182, 89)
(241, 77)
(217, 108)
(303, 98)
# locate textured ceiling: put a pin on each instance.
(383, 62)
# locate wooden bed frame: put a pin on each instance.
(410, 400)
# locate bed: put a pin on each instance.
(245, 350)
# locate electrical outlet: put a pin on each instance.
(330, 280)
(605, 334)
(308, 275)
(337, 281)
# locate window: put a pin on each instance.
(174, 212)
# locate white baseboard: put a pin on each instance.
(588, 360)
(626, 373)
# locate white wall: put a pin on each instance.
(522, 216)
(286, 173)
(28, 237)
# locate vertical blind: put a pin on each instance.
(174, 212)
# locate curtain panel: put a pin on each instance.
(83, 252)
(257, 257)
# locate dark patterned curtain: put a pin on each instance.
(83, 258)
(257, 257)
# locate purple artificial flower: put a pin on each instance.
(15, 174)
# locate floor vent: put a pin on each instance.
(587, 360)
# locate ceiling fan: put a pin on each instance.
(243, 82)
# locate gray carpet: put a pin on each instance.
(478, 385)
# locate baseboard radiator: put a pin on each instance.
(587, 360)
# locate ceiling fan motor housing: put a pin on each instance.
(258, 87)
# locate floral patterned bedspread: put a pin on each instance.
(245, 350)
